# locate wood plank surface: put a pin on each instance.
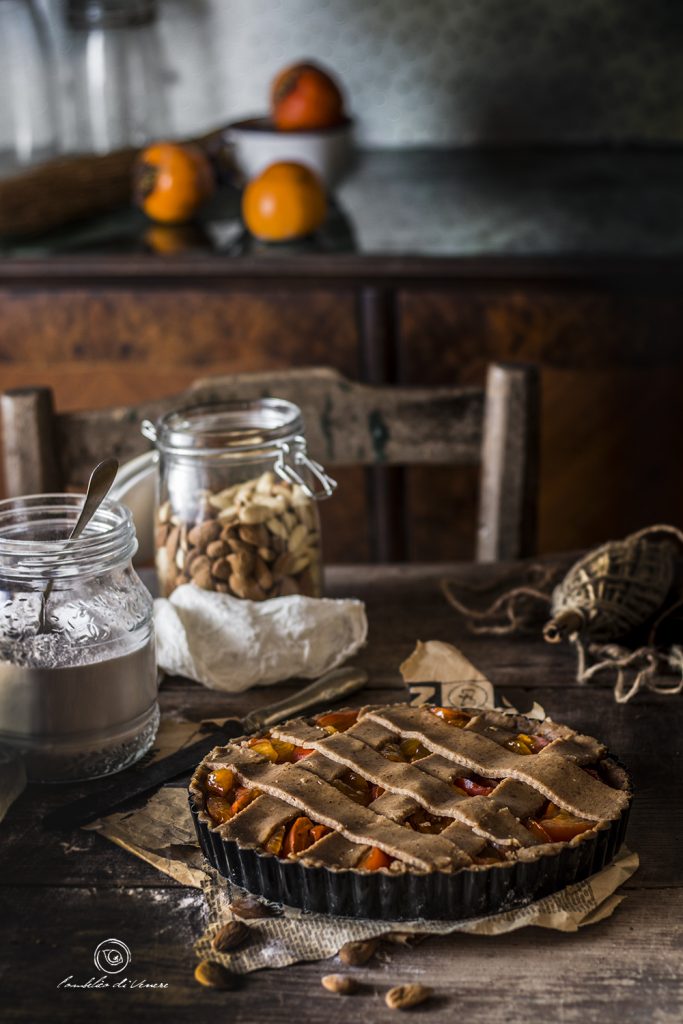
(625, 969)
(60, 894)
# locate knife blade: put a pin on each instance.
(136, 781)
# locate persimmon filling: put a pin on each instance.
(226, 797)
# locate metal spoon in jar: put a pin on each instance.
(101, 479)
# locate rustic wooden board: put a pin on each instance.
(625, 969)
(61, 894)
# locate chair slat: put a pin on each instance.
(347, 423)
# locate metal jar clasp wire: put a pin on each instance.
(295, 450)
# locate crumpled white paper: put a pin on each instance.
(230, 644)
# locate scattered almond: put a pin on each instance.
(353, 954)
(402, 997)
(342, 984)
(249, 908)
(230, 936)
(211, 974)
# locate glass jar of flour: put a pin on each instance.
(78, 694)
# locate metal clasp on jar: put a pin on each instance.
(296, 451)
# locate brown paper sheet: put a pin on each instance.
(440, 673)
(161, 832)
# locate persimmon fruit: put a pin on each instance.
(285, 201)
(338, 721)
(374, 859)
(298, 837)
(304, 97)
(171, 181)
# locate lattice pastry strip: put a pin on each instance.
(318, 798)
(484, 816)
(558, 778)
(335, 850)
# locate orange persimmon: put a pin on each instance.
(220, 781)
(171, 181)
(304, 97)
(285, 201)
(274, 843)
(318, 831)
(538, 831)
(337, 721)
(298, 837)
(301, 752)
(454, 716)
(563, 826)
(243, 796)
(219, 809)
(520, 744)
(374, 859)
(475, 786)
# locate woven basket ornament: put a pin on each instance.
(615, 588)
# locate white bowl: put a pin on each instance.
(257, 144)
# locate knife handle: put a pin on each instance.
(332, 687)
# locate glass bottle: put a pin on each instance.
(118, 73)
(28, 113)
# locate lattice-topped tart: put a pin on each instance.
(400, 812)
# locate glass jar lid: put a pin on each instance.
(249, 430)
(254, 426)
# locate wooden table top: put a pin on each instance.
(60, 895)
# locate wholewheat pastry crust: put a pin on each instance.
(526, 782)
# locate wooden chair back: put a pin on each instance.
(347, 423)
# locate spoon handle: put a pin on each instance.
(101, 479)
